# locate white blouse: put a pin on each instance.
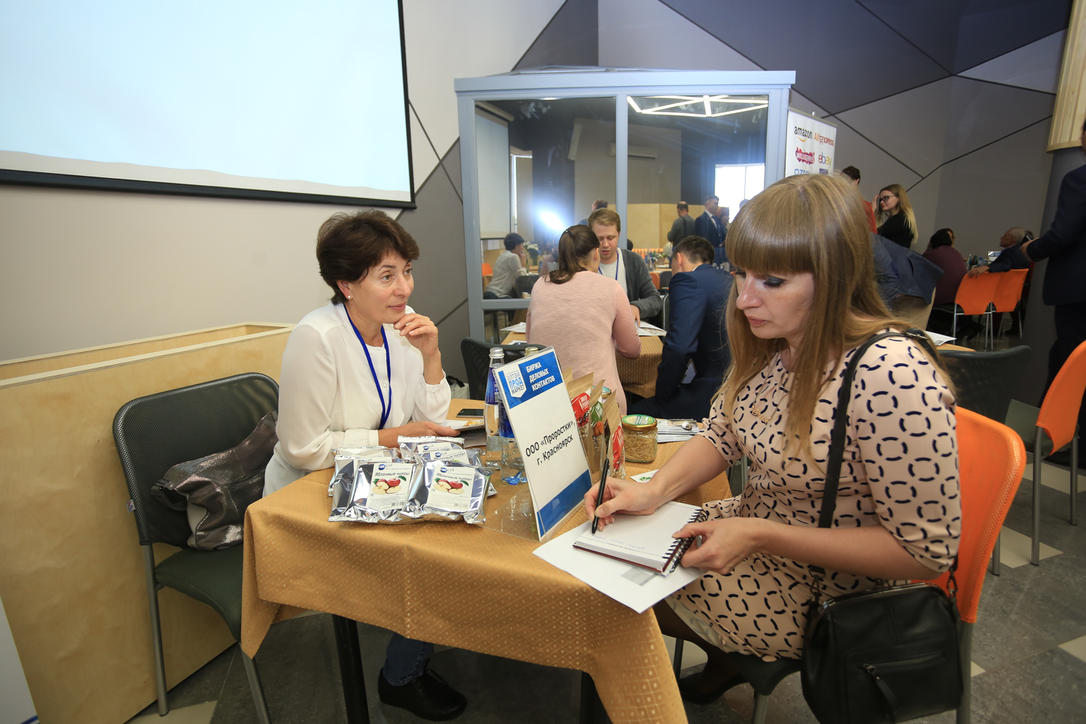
(328, 399)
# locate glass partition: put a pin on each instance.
(542, 163)
(687, 147)
(539, 147)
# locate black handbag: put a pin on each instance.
(885, 654)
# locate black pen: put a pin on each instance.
(599, 497)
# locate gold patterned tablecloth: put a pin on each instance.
(454, 584)
(637, 375)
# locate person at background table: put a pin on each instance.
(583, 314)
(361, 371)
(681, 227)
(695, 352)
(1010, 256)
(1065, 244)
(509, 265)
(596, 206)
(896, 219)
(624, 266)
(804, 298)
(941, 251)
(712, 227)
(853, 173)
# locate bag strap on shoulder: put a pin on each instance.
(840, 425)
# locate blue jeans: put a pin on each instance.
(406, 659)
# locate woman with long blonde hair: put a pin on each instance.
(804, 299)
(895, 215)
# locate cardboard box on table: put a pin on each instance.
(71, 575)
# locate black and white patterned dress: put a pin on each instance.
(900, 470)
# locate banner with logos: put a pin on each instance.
(811, 145)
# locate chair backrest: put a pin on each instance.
(976, 293)
(984, 381)
(1059, 409)
(1009, 290)
(155, 432)
(991, 459)
(488, 270)
(476, 356)
(655, 276)
(524, 283)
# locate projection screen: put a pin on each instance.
(271, 99)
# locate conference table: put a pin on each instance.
(465, 586)
(638, 375)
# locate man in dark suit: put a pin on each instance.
(711, 227)
(1064, 288)
(695, 351)
(682, 226)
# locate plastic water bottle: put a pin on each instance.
(510, 452)
(493, 403)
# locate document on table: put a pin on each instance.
(519, 327)
(630, 585)
(644, 329)
(939, 339)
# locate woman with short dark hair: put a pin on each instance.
(358, 372)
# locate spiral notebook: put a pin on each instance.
(645, 540)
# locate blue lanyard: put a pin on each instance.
(385, 411)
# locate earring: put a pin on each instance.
(349, 297)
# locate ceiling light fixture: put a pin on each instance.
(703, 106)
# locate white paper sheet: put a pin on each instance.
(644, 329)
(521, 327)
(630, 585)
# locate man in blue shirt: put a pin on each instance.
(695, 352)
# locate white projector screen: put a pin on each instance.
(272, 99)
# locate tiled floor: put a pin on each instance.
(1029, 654)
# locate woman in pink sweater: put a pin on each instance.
(583, 315)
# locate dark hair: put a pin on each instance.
(682, 206)
(512, 241)
(575, 244)
(852, 172)
(349, 245)
(942, 237)
(695, 248)
(712, 197)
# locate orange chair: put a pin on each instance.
(975, 296)
(991, 459)
(655, 276)
(1008, 292)
(488, 271)
(1050, 428)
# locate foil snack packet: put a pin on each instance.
(381, 492)
(451, 492)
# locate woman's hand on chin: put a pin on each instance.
(420, 331)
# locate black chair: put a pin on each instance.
(155, 432)
(476, 356)
(985, 380)
(524, 284)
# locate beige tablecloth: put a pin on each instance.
(453, 584)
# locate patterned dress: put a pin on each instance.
(900, 470)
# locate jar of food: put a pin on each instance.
(639, 432)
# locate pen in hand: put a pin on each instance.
(599, 497)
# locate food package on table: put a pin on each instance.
(375, 492)
(450, 492)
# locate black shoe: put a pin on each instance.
(697, 690)
(427, 697)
